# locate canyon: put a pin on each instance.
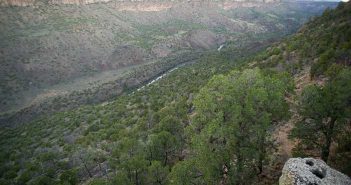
(174, 92)
(140, 5)
(47, 45)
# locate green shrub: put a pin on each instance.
(24, 177)
(69, 177)
(99, 182)
(11, 174)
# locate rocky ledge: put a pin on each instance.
(309, 171)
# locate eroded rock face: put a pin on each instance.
(309, 171)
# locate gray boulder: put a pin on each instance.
(309, 171)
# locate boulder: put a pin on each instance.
(309, 171)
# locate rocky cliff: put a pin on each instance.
(309, 171)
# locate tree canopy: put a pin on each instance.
(229, 129)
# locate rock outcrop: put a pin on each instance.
(309, 171)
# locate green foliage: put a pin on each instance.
(157, 173)
(10, 174)
(233, 114)
(25, 177)
(121, 178)
(322, 43)
(184, 173)
(99, 182)
(162, 146)
(342, 158)
(198, 125)
(324, 111)
(69, 177)
(42, 180)
(127, 135)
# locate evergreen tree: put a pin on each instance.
(229, 131)
(157, 173)
(324, 111)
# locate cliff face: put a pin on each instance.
(130, 5)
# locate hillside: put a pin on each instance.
(315, 56)
(210, 121)
(49, 52)
(323, 44)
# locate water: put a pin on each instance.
(220, 47)
(159, 77)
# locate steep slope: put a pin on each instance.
(230, 142)
(322, 43)
(313, 56)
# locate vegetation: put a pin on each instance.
(209, 122)
(133, 134)
(230, 126)
(325, 112)
(315, 44)
(321, 45)
(45, 46)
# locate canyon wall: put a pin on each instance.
(138, 5)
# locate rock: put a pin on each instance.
(309, 171)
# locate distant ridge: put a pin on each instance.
(23, 3)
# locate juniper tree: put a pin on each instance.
(324, 110)
(229, 131)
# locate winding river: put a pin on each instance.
(170, 71)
